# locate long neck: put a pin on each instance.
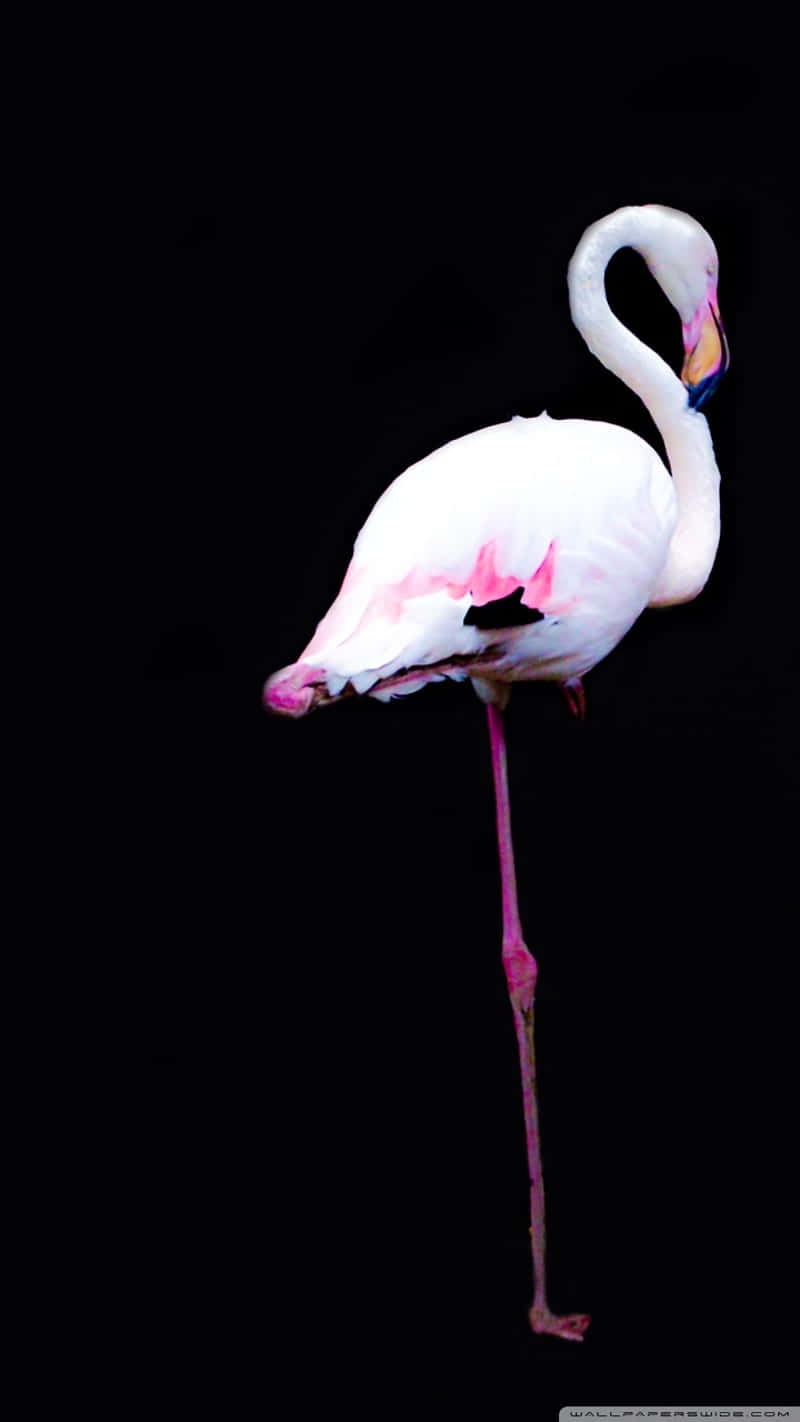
(684, 431)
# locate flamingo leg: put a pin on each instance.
(521, 972)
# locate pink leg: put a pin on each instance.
(520, 969)
(575, 697)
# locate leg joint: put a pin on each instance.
(521, 973)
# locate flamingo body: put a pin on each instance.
(574, 515)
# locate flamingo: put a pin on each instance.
(525, 551)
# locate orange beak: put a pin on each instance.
(707, 354)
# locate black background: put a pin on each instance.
(348, 257)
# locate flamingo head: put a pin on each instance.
(684, 262)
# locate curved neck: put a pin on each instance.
(684, 431)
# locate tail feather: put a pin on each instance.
(297, 689)
(294, 690)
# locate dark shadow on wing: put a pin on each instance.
(504, 612)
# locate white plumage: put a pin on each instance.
(582, 518)
(597, 492)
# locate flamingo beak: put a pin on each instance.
(707, 354)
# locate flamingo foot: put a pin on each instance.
(571, 1326)
(575, 697)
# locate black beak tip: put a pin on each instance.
(698, 394)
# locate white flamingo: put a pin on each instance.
(526, 551)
